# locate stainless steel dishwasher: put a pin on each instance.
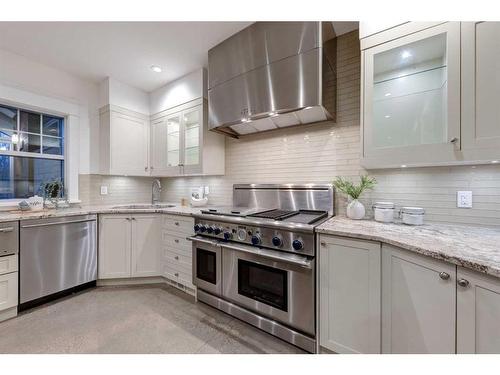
(56, 256)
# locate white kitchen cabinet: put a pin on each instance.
(411, 98)
(478, 312)
(124, 142)
(8, 291)
(177, 251)
(145, 245)
(481, 90)
(349, 318)
(115, 250)
(182, 145)
(418, 303)
(128, 246)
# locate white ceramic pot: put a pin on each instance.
(355, 210)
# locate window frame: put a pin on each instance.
(36, 155)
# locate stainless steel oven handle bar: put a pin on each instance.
(203, 240)
(296, 260)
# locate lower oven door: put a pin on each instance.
(207, 265)
(274, 284)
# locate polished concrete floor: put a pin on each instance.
(150, 319)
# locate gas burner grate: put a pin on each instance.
(275, 214)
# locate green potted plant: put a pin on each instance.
(355, 209)
(52, 191)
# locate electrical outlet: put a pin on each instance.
(104, 190)
(464, 199)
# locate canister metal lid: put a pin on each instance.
(384, 205)
(413, 210)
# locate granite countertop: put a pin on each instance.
(96, 209)
(473, 247)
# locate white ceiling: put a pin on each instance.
(122, 50)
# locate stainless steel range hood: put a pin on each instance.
(272, 75)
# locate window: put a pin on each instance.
(31, 151)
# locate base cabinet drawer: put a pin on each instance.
(178, 276)
(8, 290)
(176, 242)
(178, 224)
(8, 264)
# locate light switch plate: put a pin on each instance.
(464, 199)
(104, 190)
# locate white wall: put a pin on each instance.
(182, 90)
(29, 77)
(118, 93)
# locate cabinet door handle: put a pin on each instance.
(176, 257)
(176, 274)
(463, 283)
(454, 140)
(176, 240)
(322, 243)
(145, 168)
(152, 167)
(444, 275)
(176, 223)
(133, 218)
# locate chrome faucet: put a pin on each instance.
(155, 192)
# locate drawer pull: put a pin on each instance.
(176, 240)
(176, 223)
(444, 275)
(176, 274)
(176, 257)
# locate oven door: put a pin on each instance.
(207, 265)
(272, 283)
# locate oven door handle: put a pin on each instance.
(203, 240)
(296, 260)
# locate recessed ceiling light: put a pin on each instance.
(405, 54)
(155, 68)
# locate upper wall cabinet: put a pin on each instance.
(481, 90)
(124, 142)
(182, 145)
(431, 94)
(411, 98)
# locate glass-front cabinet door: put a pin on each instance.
(192, 120)
(411, 100)
(176, 143)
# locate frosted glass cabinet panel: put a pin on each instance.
(192, 139)
(411, 103)
(176, 143)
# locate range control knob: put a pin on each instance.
(227, 236)
(256, 240)
(210, 229)
(203, 228)
(297, 244)
(217, 230)
(197, 227)
(277, 241)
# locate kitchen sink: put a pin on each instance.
(143, 206)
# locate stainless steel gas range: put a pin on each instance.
(256, 260)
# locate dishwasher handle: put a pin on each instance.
(56, 223)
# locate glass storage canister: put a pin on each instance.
(384, 212)
(412, 215)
